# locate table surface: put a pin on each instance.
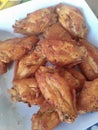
(94, 127)
(94, 6)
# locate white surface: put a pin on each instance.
(16, 116)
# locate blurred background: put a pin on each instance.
(8, 3)
(94, 6)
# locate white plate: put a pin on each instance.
(16, 116)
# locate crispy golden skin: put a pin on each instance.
(26, 90)
(74, 78)
(57, 32)
(5, 46)
(14, 49)
(87, 101)
(62, 52)
(36, 22)
(90, 66)
(78, 75)
(72, 20)
(83, 53)
(46, 118)
(56, 91)
(3, 68)
(28, 64)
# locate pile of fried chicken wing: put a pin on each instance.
(55, 68)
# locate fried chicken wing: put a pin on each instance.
(87, 101)
(57, 32)
(36, 22)
(74, 78)
(90, 66)
(28, 64)
(56, 91)
(77, 74)
(26, 90)
(72, 20)
(14, 49)
(46, 118)
(62, 52)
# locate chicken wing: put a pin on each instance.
(87, 101)
(72, 20)
(36, 22)
(62, 52)
(14, 49)
(46, 118)
(57, 32)
(56, 91)
(28, 64)
(26, 90)
(74, 78)
(90, 66)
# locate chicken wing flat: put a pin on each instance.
(72, 20)
(14, 49)
(26, 90)
(87, 101)
(90, 66)
(46, 118)
(28, 64)
(57, 32)
(62, 52)
(36, 22)
(74, 78)
(3, 68)
(56, 91)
